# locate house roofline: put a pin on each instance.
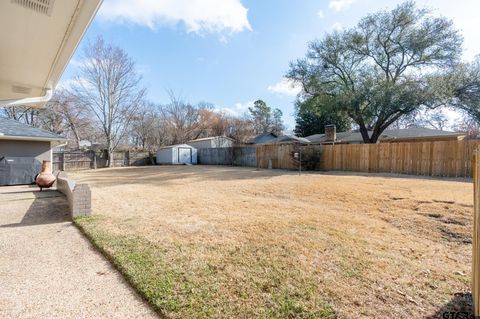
(209, 138)
(33, 138)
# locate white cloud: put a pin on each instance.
(320, 14)
(81, 62)
(198, 16)
(339, 5)
(337, 26)
(76, 63)
(285, 87)
(237, 109)
(69, 84)
(243, 107)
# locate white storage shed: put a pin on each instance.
(177, 154)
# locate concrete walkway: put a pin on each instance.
(49, 270)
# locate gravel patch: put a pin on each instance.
(49, 270)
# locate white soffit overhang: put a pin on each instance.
(37, 40)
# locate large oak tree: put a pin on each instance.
(388, 65)
(464, 85)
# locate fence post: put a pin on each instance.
(63, 161)
(476, 234)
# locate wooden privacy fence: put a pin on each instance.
(78, 160)
(476, 235)
(276, 156)
(433, 158)
(237, 156)
(439, 158)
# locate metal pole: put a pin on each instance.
(300, 163)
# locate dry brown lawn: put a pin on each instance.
(207, 241)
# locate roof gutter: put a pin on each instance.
(59, 63)
(29, 100)
(31, 138)
(65, 39)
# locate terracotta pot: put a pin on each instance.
(45, 179)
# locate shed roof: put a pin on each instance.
(210, 138)
(14, 130)
(176, 145)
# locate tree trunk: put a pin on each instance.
(110, 153)
(152, 161)
(75, 134)
(364, 132)
(376, 134)
(110, 157)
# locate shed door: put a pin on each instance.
(184, 155)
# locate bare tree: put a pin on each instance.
(22, 114)
(109, 87)
(424, 117)
(240, 129)
(184, 119)
(64, 114)
(180, 121)
(467, 124)
(144, 125)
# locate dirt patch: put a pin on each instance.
(264, 241)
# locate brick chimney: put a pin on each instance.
(330, 133)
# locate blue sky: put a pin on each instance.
(233, 52)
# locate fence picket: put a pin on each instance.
(439, 158)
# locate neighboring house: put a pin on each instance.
(420, 134)
(177, 154)
(263, 138)
(84, 144)
(411, 134)
(38, 39)
(23, 147)
(289, 139)
(212, 142)
(270, 138)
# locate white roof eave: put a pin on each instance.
(37, 46)
(32, 138)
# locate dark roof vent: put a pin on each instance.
(21, 89)
(40, 6)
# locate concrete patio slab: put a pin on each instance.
(49, 270)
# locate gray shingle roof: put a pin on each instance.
(344, 137)
(15, 129)
(417, 131)
(285, 139)
(289, 139)
(262, 138)
(414, 132)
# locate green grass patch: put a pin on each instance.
(246, 281)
